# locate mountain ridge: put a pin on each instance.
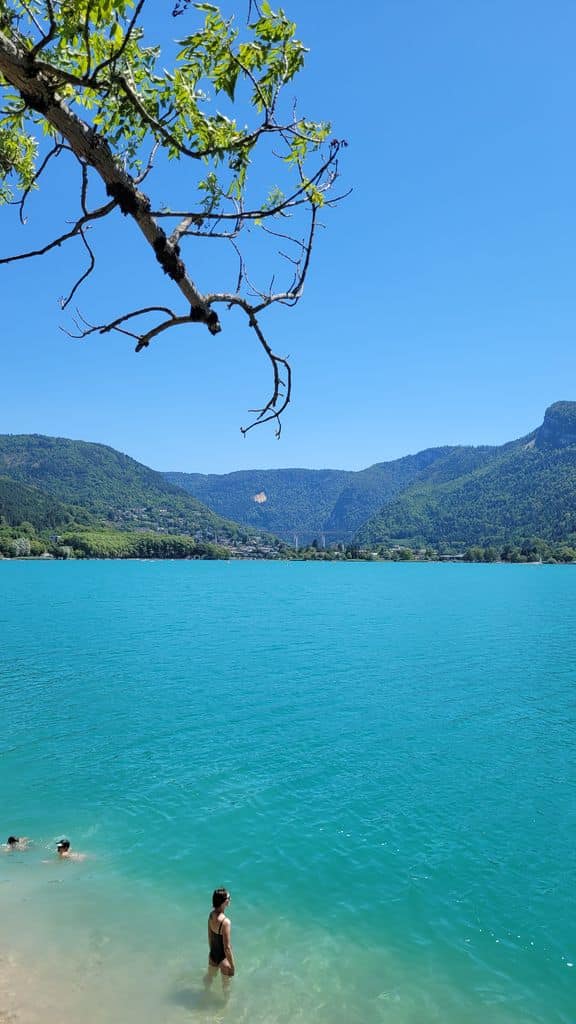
(110, 486)
(412, 486)
(449, 496)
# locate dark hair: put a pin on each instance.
(64, 844)
(219, 896)
(12, 840)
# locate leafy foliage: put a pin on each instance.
(124, 88)
(17, 161)
(533, 549)
(81, 83)
(115, 544)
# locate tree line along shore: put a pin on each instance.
(25, 542)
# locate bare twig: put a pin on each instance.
(241, 265)
(84, 190)
(282, 392)
(298, 198)
(142, 339)
(103, 211)
(32, 17)
(144, 174)
(253, 4)
(289, 297)
(175, 321)
(212, 233)
(114, 325)
(49, 36)
(82, 278)
(282, 374)
(86, 34)
(55, 151)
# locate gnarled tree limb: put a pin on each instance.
(93, 149)
(62, 69)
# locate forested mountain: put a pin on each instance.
(524, 489)
(111, 486)
(304, 504)
(22, 504)
(368, 490)
(453, 496)
(286, 502)
(334, 504)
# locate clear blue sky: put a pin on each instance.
(440, 308)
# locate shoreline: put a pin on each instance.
(443, 560)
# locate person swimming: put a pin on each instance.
(65, 853)
(16, 843)
(221, 957)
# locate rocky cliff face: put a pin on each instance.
(559, 427)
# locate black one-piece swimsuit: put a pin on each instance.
(217, 954)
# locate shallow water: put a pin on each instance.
(376, 759)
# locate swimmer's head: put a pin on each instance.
(12, 841)
(63, 846)
(219, 898)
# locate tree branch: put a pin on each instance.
(93, 149)
(144, 174)
(46, 39)
(282, 393)
(75, 230)
(144, 338)
(82, 278)
(55, 151)
(135, 104)
(298, 198)
(116, 56)
(171, 140)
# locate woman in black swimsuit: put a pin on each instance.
(221, 957)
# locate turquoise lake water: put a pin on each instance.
(376, 759)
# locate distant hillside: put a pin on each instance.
(523, 489)
(455, 496)
(110, 485)
(286, 502)
(306, 503)
(451, 497)
(21, 504)
(369, 489)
